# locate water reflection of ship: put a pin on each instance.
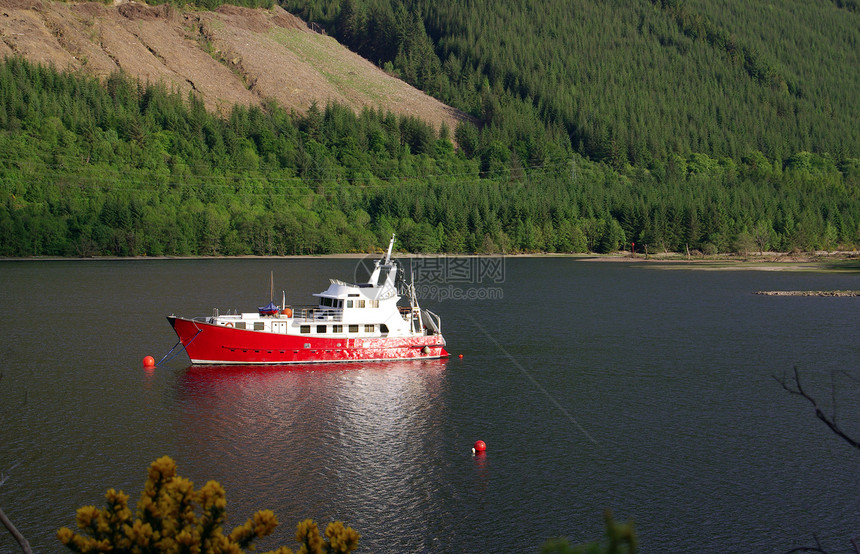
(362, 444)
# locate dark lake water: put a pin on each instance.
(630, 387)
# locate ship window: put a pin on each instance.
(353, 328)
(373, 304)
(349, 303)
(359, 303)
(305, 329)
(383, 328)
(325, 302)
(337, 329)
(259, 326)
(352, 294)
(240, 325)
(320, 328)
(338, 304)
(369, 328)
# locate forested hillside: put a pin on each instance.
(628, 81)
(666, 124)
(130, 169)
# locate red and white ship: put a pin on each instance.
(351, 322)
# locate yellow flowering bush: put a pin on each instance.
(172, 517)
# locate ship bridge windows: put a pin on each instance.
(326, 302)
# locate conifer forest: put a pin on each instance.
(676, 124)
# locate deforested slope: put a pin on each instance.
(232, 55)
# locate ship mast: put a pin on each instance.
(390, 246)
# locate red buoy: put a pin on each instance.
(480, 446)
(460, 356)
(148, 361)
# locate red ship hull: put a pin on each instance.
(206, 343)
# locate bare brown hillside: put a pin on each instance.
(233, 55)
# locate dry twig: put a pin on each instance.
(830, 421)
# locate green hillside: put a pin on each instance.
(630, 81)
(677, 126)
(127, 169)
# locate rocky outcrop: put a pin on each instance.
(809, 292)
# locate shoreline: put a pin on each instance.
(767, 261)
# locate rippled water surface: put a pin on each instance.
(596, 386)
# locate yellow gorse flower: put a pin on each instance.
(342, 539)
(174, 517)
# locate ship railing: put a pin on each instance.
(318, 314)
(433, 322)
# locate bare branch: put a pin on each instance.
(833, 396)
(816, 548)
(25, 546)
(830, 421)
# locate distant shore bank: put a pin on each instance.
(766, 261)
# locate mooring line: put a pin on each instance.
(180, 350)
(525, 372)
(168, 353)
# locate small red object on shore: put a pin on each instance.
(148, 361)
(480, 446)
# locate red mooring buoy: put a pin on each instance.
(479, 447)
(460, 356)
(148, 361)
